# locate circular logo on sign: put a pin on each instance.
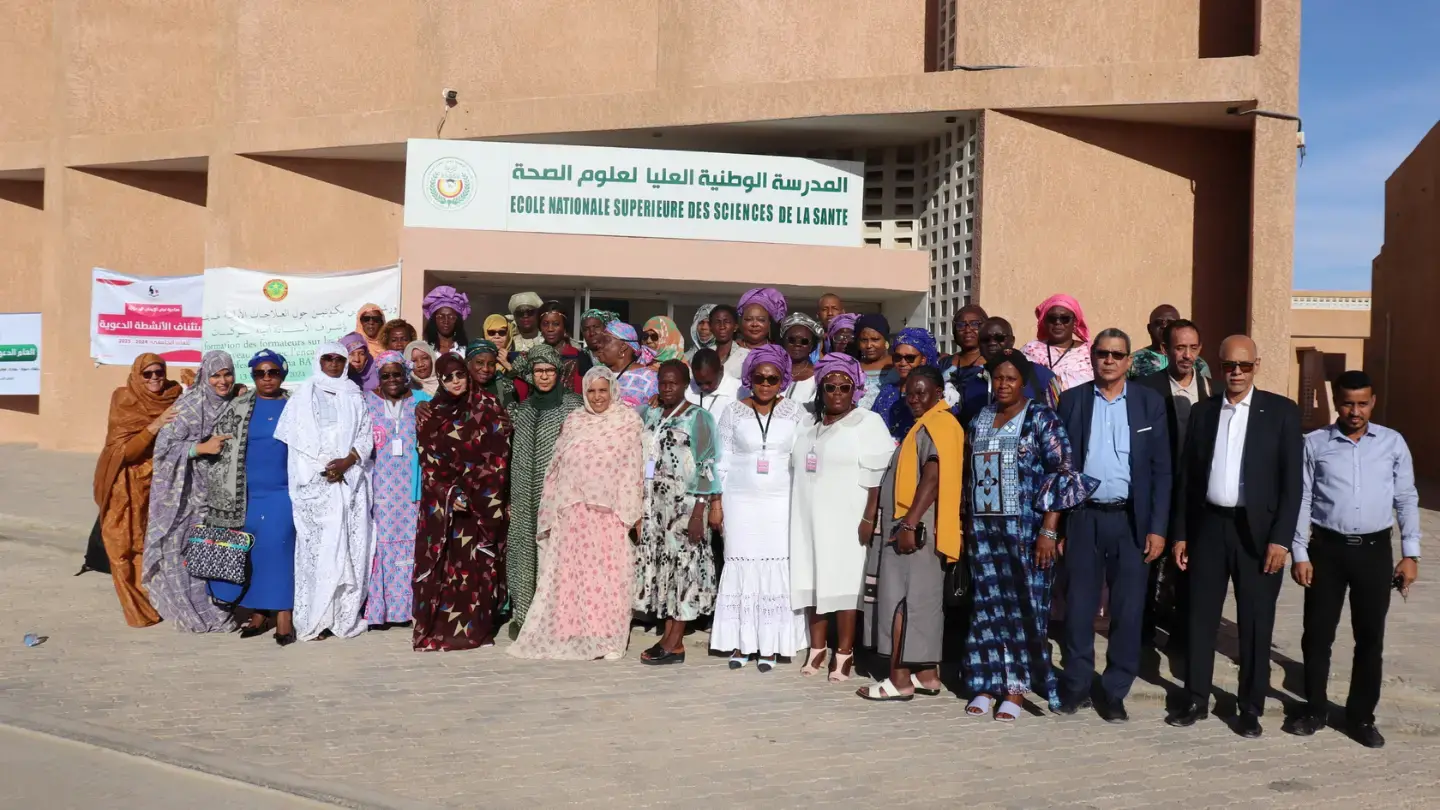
(449, 183)
(276, 290)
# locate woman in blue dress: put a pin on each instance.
(249, 491)
(1019, 478)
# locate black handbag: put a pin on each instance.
(957, 582)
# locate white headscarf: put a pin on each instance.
(299, 425)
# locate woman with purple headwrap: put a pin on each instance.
(761, 311)
(621, 352)
(446, 310)
(838, 462)
(394, 506)
(913, 347)
(361, 367)
(840, 333)
(753, 616)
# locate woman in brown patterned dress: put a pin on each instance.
(464, 509)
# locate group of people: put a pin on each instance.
(775, 472)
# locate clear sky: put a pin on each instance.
(1369, 91)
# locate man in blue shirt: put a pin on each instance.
(1122, 436)
(1358, 478)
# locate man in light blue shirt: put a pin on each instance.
(1358, 479)
(1108, 457)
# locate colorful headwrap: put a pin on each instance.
(767, 297)
(798, 318)
(767, 353)
(671, 345)
(845, 320)
(445, 296)
(267, 356)
(1082, 329)
(701, 315)
(843, 364)
(495, 322)
(525, 299)
(873, 320)
(625, 332)
(388, 357)
(481, 346)
(602, 315)
(923, 341)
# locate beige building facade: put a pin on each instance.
(1328, 333)
(1011, 149)
(1405, 283)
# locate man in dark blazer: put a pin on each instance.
(1119, 435)
(1241, 485)
(1183, 387)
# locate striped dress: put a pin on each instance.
(531, 448)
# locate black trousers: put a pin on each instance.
(1367, 572)
(1221, 552)
(1101, 549)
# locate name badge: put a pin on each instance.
(649, 469)
(812, 462)
(397, 447)
(762, 466)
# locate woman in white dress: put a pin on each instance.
(753, 615)
(328, 431)
(839, 461)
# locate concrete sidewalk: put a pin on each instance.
(47, 493)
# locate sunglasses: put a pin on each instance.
(764, 379)
(371, 319)
(1060, 320)
(802, 340)
(497, 332)
(153, 375)
(911, 359)
(453, 376)
(969, 325)
(525, 313)
(1231, 365)
(651, 336)
(843, 388)
(1101, 354)
(267, 373)
(332, 358)
(393, 375)
(1162, 324)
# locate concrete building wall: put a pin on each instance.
(1405, 290)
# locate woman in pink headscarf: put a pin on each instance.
(1062, 341)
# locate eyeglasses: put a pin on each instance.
(1230, 365)
(267, 373)
(764, 379)
(1060, 320)
(372, 319)
(800, 340)
(497, 332)
(393, 375)
(1101, 354)
(453, 376)
(901, 357)
(843, 388)
(969, 325)
(158, 374)
(548, 371)
(331, 358)
(525, 313)
(1161, 323)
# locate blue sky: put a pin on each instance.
(1369, 91)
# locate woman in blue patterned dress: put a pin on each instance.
(1020, 477)
(394, 508)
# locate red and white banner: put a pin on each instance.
(131, 315)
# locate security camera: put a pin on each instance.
(451, 97)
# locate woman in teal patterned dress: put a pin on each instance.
(537, 423)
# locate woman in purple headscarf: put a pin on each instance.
(753, 616)
(361, 368)
(912, 348)
(394, 510)
(840, 333)
(761, 311)
(622, 353)
(446, 310)
(838, 461)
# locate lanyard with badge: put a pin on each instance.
(812, 458)
(762, 464)
(665, 420)
(393, 410)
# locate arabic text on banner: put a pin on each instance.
(131, 315)
(19, 353)
(556, 188)
(290, 313)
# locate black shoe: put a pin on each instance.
(1367, 735)
(1113, 711)
(1187, 717)
(1072, 706)
(285, 639)
(1304, 725)
(1248, 725)
(251, 631)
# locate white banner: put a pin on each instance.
(551, 188)
(19, 354)
(290, 313)
(131, 315)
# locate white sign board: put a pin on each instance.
(290, 313)
(489, 186)
(131, 315)
(20, 354)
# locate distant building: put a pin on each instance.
(1327, 337)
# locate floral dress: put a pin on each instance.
(394, 510)
(674, 577)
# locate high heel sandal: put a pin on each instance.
(814, 661)
(841, 667)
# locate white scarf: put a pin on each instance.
(298, 427)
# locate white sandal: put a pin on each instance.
(980, 706)
(1009, 712)
(884, 690)
(814, 660)
(920, 688)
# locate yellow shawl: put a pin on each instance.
(949, 441)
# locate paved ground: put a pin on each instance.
(42, 771)
(369, 723)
